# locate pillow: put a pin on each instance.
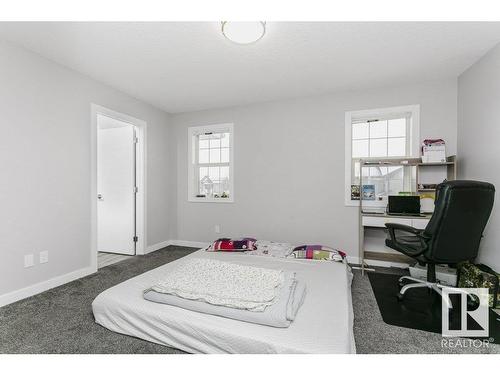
(318, 252)
(228, 244)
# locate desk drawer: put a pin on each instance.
(372, 221)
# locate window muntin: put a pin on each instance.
(211, 164)
(357, 132)
(381, 138)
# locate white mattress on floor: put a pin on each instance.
(324, 323)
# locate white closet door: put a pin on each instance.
(115, 188)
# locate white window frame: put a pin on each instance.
(412, 110)
(192, 150)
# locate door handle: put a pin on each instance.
(100, 197)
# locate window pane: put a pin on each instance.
(224, 155)
(356, 169)
(213, 173)
(397, 147)
(382, 171)
(378, 129)
(217, 188)
(224, 180)
(215, 155)
(378, 147)
(395, 186)
(375, 172)
(224, 140)
(397, 127)
(215, 141)
(360, 149)
(203, 142)
(394, 169)
(205, 184)
(203, 156)
(360, 130)
(224, 173)
(203, 172)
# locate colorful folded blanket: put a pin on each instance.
(228, 244)
(318, 252)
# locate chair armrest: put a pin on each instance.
(402, 227)
(392, 227)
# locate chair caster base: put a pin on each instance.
(431, 286)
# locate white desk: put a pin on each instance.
(373, 234)
(379, 220)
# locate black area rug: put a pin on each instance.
(419, 309)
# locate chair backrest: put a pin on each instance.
(462, 209)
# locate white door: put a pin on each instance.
(115, 186)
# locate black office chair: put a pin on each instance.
(461, 211)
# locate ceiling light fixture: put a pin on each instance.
(243, 32)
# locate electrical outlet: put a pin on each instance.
(44, 256)
(28, 261)
(217, 228)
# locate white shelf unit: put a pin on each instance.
(372, 232)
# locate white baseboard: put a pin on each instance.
(199, 245)
(164, 244)
(157, 246)
(380, 263)
(43, 286)
(352, 260)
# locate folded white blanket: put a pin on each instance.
(223, 284)
(280, 314)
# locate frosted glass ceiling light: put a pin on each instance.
(243, 32)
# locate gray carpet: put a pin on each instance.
(61, 321)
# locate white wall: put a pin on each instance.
(45, 166)
(478, 137)
(289, 160)
(289, 164)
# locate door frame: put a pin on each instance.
(140, 212)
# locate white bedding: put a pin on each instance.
(323, 324)
(279, 314)
(223, 283)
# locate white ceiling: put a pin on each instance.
(186, 66)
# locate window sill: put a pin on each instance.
(210, 200)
